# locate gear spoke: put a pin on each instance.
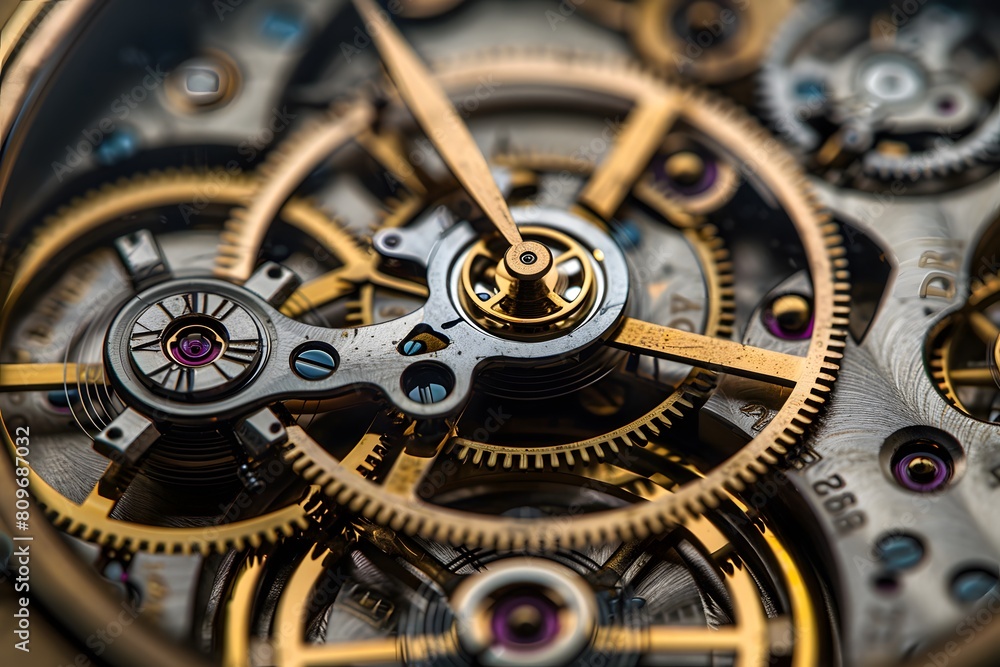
(710, 353)
(983, 327)
(974, 377)
(382, 651)
(574, 253)
(407, 473)
(48, 377)
(386, 152)
(643, 133)
(319, 292)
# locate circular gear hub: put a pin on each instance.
(515, 299)
(193, 345)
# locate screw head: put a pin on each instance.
(685, 168)
(899, 552)
(314, 363)
(923, 471)
(973, 584)
(411, 348)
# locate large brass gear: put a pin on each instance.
(965, 352)
(812, 376)
(91, 520)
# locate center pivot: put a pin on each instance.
(536, 289)
(530, 261)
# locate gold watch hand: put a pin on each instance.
(439, 120)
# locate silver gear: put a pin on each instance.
(800, 83)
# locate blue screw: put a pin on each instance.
(314, 364)
(429, 393)
(412, 348)
(973, 585)
(900, 552)
(116, 147)
(283, 27)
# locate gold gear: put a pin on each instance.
(396, 503)
(751, 638)
(716, 59)
(714, 260)
(91, 519)
(965, 352)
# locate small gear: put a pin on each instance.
(707, 41)
(965, 353)
(91, 515)
(865, 97)
(386, 488)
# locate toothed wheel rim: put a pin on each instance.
(728, 127)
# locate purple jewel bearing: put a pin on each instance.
(525, 621)
(525, 612)
(195, 346)
(941, 472)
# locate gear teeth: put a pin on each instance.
(84, 214)
(755, 459)
(983, 291)
(123, 536)
(693, 390)
(940, 162)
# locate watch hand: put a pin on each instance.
(436, 115)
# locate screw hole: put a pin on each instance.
(114, 433)
(886, 583)
(427, 382)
